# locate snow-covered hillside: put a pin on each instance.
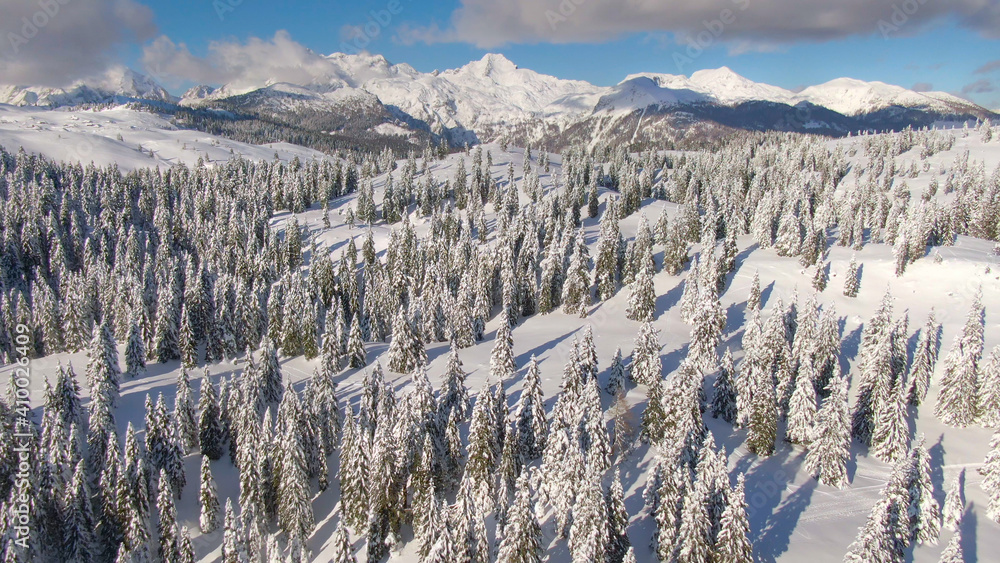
(461, 264)
(127, 138)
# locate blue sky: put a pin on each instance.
(921, 44)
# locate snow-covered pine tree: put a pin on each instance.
(761, 407)
(184, 415)
(588, 355)
(576, 296)
(521, 541)
(829, 450)
(618, 520)
(891, 437)
(589, 532)
(990, 470)
(953, 552)
(530, 414)
(208, 520)
(923, 512)
(724, 390)
(958, 401)
(502, 365)
(135, 353)
(954, 502)
(852, 280)
(642, 295)
(924, 359)
(989, 391)
(454, 393)
(480, 466)
(733, 543)
(753, 299)
(210, 434)
(616, 373)
(166, 527)
(708, 322)
(607, 270)
(802, 406)
(77, 534)
(353, 474)
(356, 356)
(295, 513)
(102, 364)
(233, 539)
(646, 363)
(343, 551)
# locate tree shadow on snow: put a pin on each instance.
(537, 351)
(969, 522)
(765, 294)
(936, 453)
(667, 301)
(774, 538)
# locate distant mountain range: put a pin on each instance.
(364, 97)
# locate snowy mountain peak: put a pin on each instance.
(491, 64)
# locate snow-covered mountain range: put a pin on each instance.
(493, 98)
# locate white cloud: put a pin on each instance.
(491, 23)
(279, 58)
(54, 42)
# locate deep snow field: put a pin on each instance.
(792, 516)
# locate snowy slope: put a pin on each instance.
(792, 518)
(852, 97)
(92, 136)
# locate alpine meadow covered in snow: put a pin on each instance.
(265, 305)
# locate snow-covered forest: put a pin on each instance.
(783, 347)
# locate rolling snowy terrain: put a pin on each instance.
(918, 212)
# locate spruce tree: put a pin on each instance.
(502, 365)
(989, 391)
(802, 407)
(454, 394)
(957, 403)
(616, 373)
(521, 541)
(953, 552)
(169, 549)
(924, 360)
(589, 533)
(184, 415)
(78, 542)
(530, 414)
(851, 278)
(209, 499)
(356, 356)
(618, 520)
(135, 353)
(343, 551)
(733, 544)
(762, 407)
(829, 451)
(646, 363)
(642, 297)
(954, 502)
(990, 470)
(724, 390)
(210, 434)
